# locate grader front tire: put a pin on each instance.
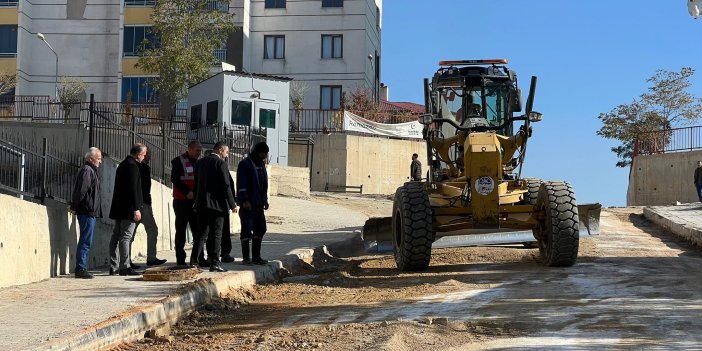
(412, 227)
(558, 235)
(532, 194)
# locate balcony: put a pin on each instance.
(138, 3)
(8, 3)
(212, 5)
(218, 5)
(221, 55)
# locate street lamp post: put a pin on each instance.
(42, 38)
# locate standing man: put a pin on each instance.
(127, 202)
(252, 189)
(416, 169)
(698, 180)
(183, 179)
(86, 204)
(213, 200)
(147, 215)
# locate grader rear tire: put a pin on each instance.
(558, 236)
(412, 228)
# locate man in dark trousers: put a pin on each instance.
(86, 203)
(127, 199)
(183, 179)
(415, 169)
(698, 180)
(147, 215)
(252, 189)
(213, 200)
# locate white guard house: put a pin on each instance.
(234, 106)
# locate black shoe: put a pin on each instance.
(260, 261)
(83, 274)
(181, 263)
(135, 266)
(112, 271)
(156, 262)
(128, 271)
(217, 268)
(247, 262)
(227, 259)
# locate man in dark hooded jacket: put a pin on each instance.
(252, 197)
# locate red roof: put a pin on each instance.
(411, 107)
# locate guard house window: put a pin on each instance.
(241, 113)
(141, 91)
(332, 46)
(196, 117)
(135, 36)
(275, 4)
(274, 47)
(212, 112)
(266, 118)
(330, 97)
(332, 3)
(8, 41)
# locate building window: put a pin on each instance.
(274, 47)
(212, 112)
(8, 41)
(332, 3)
(377, 18)
(137, 38)
(138, 90)
(332, 46)
(266, 118)
(141, 3)
(220, 55)
(330, 97)
(275, 4)
(196, 117)
(241, 113)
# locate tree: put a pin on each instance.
(667, 104)
(8, 81)
(187, 33)
(71, 92)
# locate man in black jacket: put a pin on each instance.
(147, 215)
(127, 200)
(252, 195)
(213, 199)
(86, 204)
(416, 169)
(183, 179)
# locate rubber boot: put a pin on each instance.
(245, 252)
(256, 251)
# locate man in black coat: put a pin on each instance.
(86, 204)
(147, 215)
(252, 195)
(416, 169)
(127, 200)
(213, 200)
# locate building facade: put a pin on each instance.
(328, 46)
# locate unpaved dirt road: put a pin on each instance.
(633, 287)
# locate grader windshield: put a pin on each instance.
(465, 104)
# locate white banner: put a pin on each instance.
(355, 123)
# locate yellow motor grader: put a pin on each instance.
(476, 145)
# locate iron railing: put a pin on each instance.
(668, 140)
(332, 121)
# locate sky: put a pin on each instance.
(589, 57)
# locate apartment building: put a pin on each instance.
(333, 46)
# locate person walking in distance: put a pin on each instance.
(183, 179)
(698, 180)
(252, 189)
(147, 215)
(86, 203)
(415, 169)
(213, 200)
(127, 201)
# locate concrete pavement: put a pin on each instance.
(684, 220)
(65, 313)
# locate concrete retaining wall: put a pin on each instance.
(663, 179)
(289, 181)
(379, 164)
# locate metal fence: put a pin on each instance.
(332, 121)
(668, 140)
(36, 171)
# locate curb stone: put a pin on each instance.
(686, 232)
(134, 323)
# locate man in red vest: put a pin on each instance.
(183, 179)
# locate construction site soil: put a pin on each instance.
(469, 298)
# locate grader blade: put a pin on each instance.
(589, 219)
(378, 229)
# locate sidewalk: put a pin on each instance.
(684, 220)
(67, 313)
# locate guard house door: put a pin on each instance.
(268, 119)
